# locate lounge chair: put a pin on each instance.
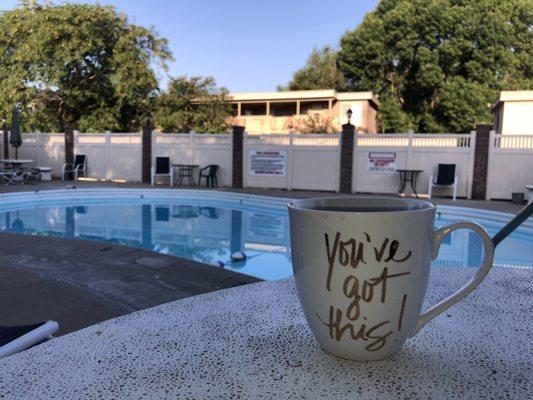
(77, 169)
(7, 175)
(210, 174)
(21, 175)
(14, 339)
(445, 178)
(163, 167)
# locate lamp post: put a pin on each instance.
(349, 115)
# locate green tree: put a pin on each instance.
(194, 103)
(438, 64)
(80, 65)
(320, 72)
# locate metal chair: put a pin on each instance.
(77, 169)
(210, 174)
(445, 178)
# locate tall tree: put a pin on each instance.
(77, 64)
(438, 64)
(320, 72)
(194, 103)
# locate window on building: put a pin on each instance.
(234, 109)
(253, 109)
(282, 109)
(310, 106)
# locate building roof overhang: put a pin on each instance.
(513, 95)
(292, 95)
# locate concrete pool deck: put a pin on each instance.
(80, 283)
(253, 342)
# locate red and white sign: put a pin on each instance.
(382, 162)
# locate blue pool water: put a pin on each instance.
(210, 230)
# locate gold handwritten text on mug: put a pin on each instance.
(350, 253)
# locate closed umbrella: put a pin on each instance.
(15, 138)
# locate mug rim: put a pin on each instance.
(296, 205)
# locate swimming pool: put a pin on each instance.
(208, 226)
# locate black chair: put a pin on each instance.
(163, 167)
(210, 174)
(78, 168)
(162, 214)
(445, 178)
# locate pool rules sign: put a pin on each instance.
(268, 162)
(382, 162)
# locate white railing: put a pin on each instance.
(415, 140)
(385, 140)
(512, 141)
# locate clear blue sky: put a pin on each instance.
(247, 45)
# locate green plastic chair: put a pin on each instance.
(210, 174)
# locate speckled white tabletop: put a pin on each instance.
(253, 342)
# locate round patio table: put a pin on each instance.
(186, 171)
(408, 175)
(252, 341)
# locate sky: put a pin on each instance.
(247, 45)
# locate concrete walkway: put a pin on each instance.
(79, 283)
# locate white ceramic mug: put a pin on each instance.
(361, 266)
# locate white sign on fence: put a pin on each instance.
(268, 162)
(262, 227)
(382, 162)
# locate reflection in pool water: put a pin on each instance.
(208, 233)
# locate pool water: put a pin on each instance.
(210, 231)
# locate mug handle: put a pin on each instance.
(481, 273)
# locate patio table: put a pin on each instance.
(253, 341)
(408, 175)
(15, 162)
(186, 171)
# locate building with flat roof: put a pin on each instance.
(513, 112)
(291, 111)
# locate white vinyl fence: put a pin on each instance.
(45, 149)
(510, 166)
(313, 161)
(118, 156)
(111, 156)
(305, 161)
(409, 151)
(196, 149)
(291, 161)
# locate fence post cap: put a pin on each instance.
(348, 128)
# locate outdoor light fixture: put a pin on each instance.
(349, 114)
